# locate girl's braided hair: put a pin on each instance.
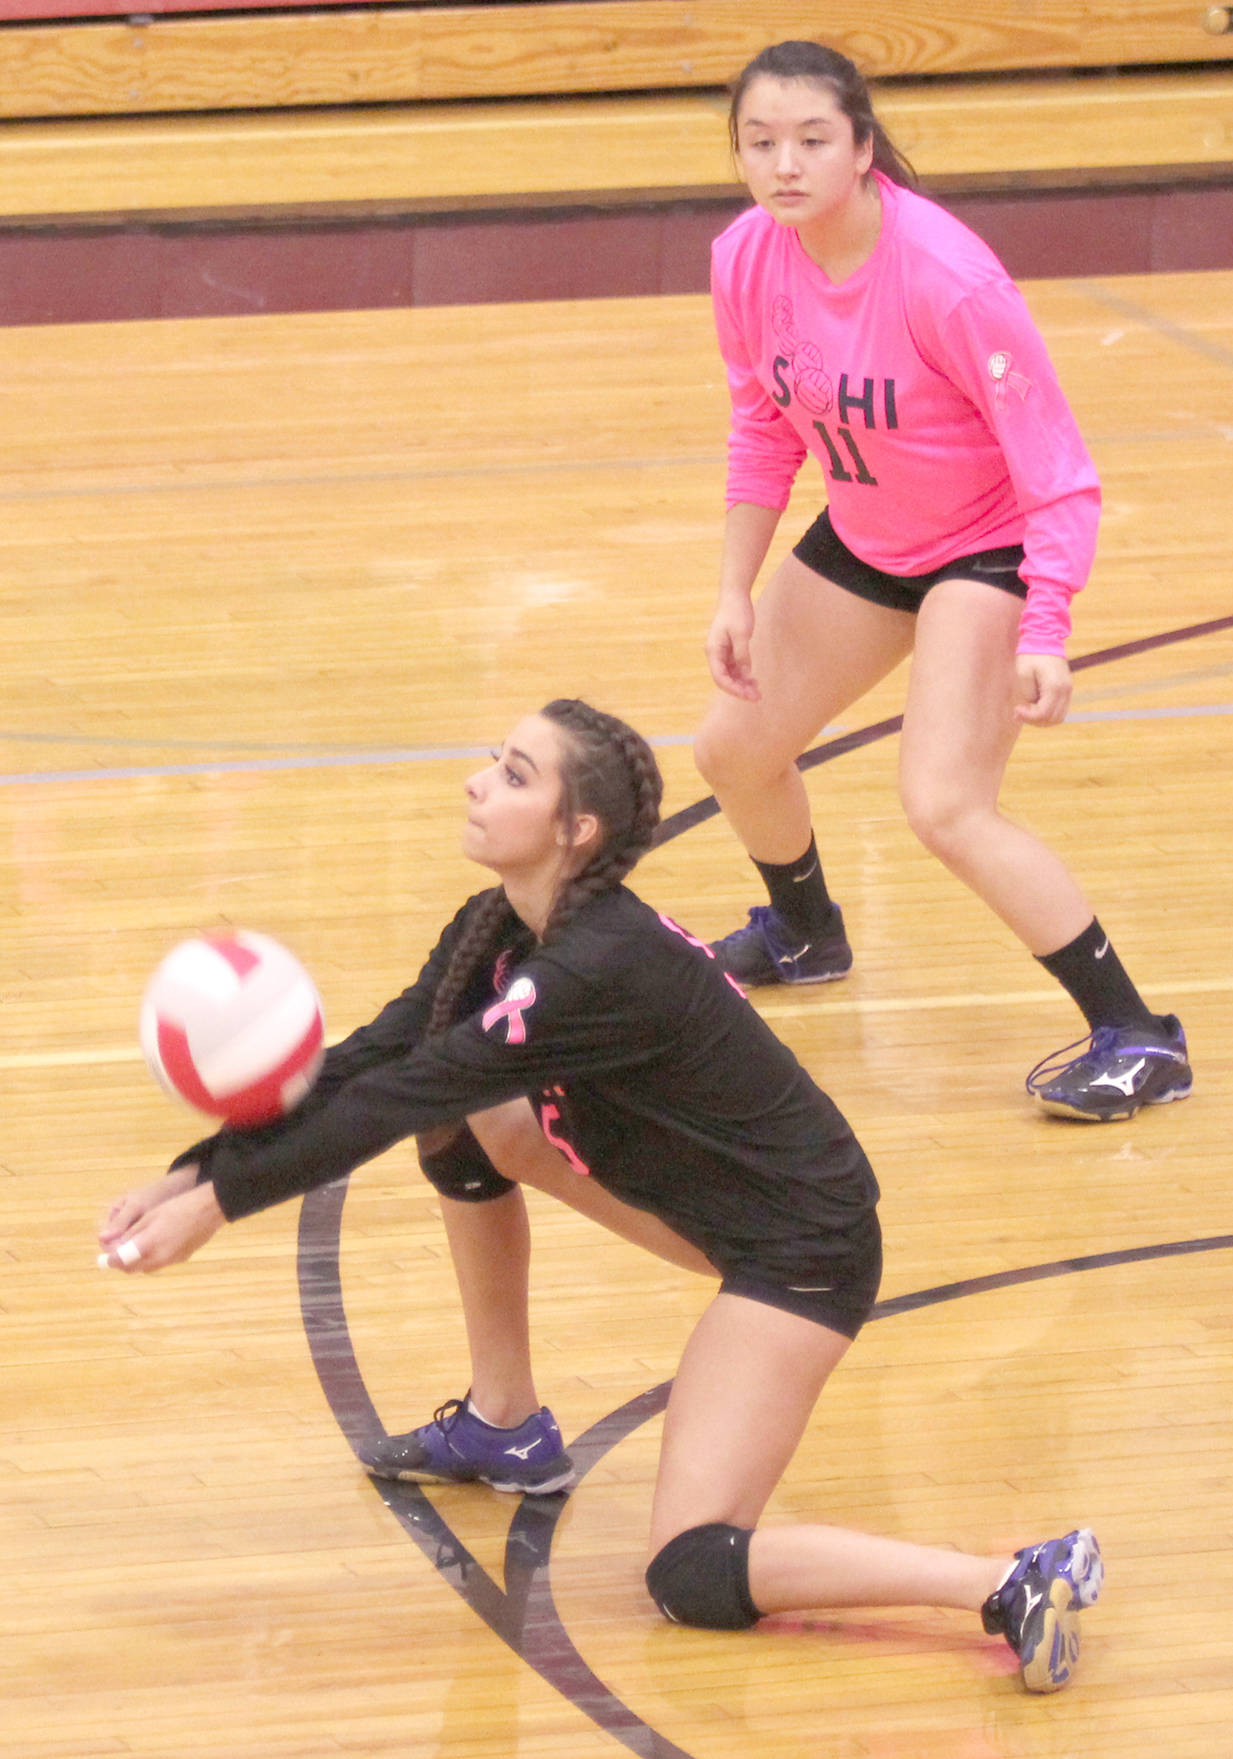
(826, 67)
(606, 769)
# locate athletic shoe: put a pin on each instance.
(458, 1447)
(767, 951)
(1118, 1069)
(1037, 1607)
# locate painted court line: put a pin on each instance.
(1015, 998)
(319, 760)
(104, 1056)
(1150, 320)
(428, 754)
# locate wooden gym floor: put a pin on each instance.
(269, 587)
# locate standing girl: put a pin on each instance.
(860, 322)
(558, 1009)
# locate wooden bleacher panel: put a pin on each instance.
(990, 134)
(432, 53)
(35, 11)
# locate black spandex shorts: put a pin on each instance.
(827, 1274)
(838, 1291)
(822, 551)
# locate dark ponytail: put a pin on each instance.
(826, 67)
(606, 769)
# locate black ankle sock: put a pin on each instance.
(798, 892)
(1095, 979)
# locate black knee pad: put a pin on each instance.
(462, 1170)
(702, 1578)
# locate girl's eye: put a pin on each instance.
(508, 774)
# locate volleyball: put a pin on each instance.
(232, 1024)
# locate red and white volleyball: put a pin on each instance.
(232, 1023)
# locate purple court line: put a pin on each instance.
(1150, 320)
(522, 1614)
(238, 766)
(347, 479)
(708, 808)
(689, 816)
(319, 760)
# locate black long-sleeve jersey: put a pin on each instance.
(646, 1065)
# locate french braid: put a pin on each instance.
(609, 770)
(482, 935)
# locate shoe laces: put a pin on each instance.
(447, 1415)
(1103, 1041)
(1009, 1604)
(1060, 1062)
(756, 925)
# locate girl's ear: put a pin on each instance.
(584, 835)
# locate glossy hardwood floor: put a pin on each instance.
(267, 588)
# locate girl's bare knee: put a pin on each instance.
(714, 752)
(735, 757)
(942, 820)
(509, 1136)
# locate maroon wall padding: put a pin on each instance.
(64, 275)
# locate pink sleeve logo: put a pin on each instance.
(518, 999)
(549, 1115)
(1005, 378)
(685, 934)
(701, 946)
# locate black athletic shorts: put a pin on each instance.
(836, 1288)
(825, 1273)
(823, 552)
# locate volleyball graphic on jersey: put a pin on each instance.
(232, 1023)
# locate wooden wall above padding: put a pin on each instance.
(342, 56)
(551, 153)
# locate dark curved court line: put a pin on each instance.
(523, 1614)
(701, 810)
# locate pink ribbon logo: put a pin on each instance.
(519, 997)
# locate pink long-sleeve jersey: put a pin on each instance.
(923, 388)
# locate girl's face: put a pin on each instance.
(796, 151)
(514, 822)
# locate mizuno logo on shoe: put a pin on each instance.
(521, 1453)
(1123, 1083)
(791, 958)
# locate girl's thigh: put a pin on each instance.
(959, 724)
(511, 1137)
(748, 1381)
(816, 649)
